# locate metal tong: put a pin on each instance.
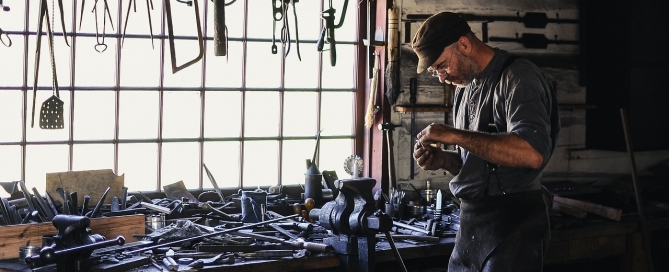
(44, 13)
(149, 8)
(170, 34)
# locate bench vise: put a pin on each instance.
(71, 248)
(354, 221)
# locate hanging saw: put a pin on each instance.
(328, 32)
(170, 35)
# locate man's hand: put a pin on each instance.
(428, 157)
(436, 134)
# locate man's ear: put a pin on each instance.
(465, 44)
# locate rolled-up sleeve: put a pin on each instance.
(528, 108)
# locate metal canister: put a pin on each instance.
(26, 251)
(156, 221)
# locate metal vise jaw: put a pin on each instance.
(71, 248)
(355, 221)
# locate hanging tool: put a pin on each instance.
(533, 40)
(388, 128)
(372, 108)
(392, 73)
(328, 32)
(101, 46)
(54, 115)
(170, 34)
(133, 3)
(285, 29)
(639, 201)
(213, 182)
(277, 14)
(412, 100)
(4, 7)
(220, 30)
(6, 40)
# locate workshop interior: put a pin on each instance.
(231, 135)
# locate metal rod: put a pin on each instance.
(406, 226)
(211, 234)
(635, 182)
(396, 252)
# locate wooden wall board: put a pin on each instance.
(89, 182)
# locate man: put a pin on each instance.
(506, 127)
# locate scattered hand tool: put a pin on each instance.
(133, 3)
(170, 34)
(213, 182)
(98, 206)
(207, 206)
(26, 194)
(124, 198)
(84, 206)
(210, 234)
(114, 207)
(74, 203)
(299, 243)
(44, 207)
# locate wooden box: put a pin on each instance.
(16, 236)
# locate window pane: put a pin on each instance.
(92, 156)
(10, 168)
(349, 28)
(224, 71)
(43, 159)
(12, 75)
(138, 114)
(222, 114)
(140, 64)
(13, 21)
(302, 74)
(181, 161)
(12, 115)
(309, 21)
(261, 163)
(181, 111)
(190, 76)
(36, 133)
(260, 22)
(261, 117)
(263, 69)
(92, 67)
(222, 160)
(295, 155)
(340, 76)
(94, 115)
(333, 154)
(299, 112)
(139, 164)
(337, 111)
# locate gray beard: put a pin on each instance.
(469, 69)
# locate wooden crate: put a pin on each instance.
(13, 237)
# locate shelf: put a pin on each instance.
(441, 108)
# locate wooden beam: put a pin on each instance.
(601, 210)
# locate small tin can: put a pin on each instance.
(156, 221)
(26, 251)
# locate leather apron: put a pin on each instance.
(507, 232)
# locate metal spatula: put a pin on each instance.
(51, 114)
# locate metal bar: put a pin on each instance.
(210, 234)
(639, 202)
(406, 226)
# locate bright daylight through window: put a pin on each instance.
(251, 116)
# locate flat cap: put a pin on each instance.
(437, 32)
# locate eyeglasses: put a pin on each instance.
(440, 66)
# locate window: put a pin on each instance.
(251, 116)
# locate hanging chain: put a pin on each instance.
(52, 24)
